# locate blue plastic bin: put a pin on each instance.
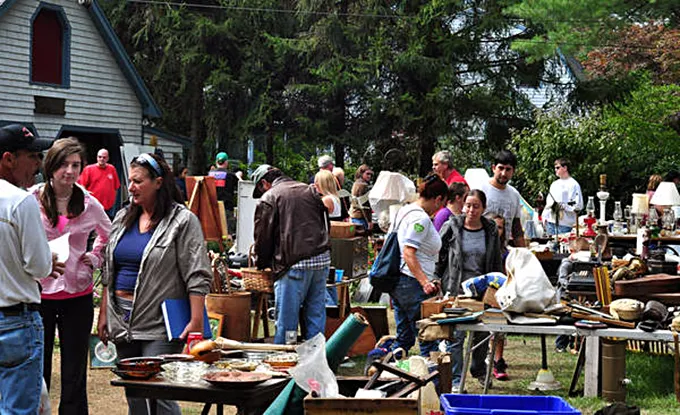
(505, 405)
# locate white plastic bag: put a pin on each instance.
(527, 289)
(312, 371)
(45, 407)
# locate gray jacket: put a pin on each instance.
(174, 264)
(449, 265)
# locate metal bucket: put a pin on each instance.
(613, 370)
(236, 306)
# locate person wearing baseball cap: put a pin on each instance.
(291, 238)
(24, 260)
(225, 183)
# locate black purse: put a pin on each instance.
(386, 269)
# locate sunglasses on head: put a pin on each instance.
(146, 160)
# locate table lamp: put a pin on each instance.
(640, 205)
(666, 195)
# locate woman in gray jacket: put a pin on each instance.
(470, 248)
(156, 251)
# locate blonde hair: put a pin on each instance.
(654, 181)
(579, 244)
(326, 183)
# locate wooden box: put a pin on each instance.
(360, 406)
(342, 229)
(350, 255)
(436, 305)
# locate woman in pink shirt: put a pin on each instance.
(68, 209)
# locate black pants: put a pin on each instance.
(73, 319)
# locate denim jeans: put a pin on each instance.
(551, 228)
(21, 362)
(331, 296)
(406, 299)
(478, 364)
(138, 348)
(300, 288)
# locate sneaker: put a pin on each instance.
(499, 369)
(560, 349)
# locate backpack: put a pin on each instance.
(386, 269)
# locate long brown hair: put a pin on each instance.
(57, 154)
(165, 195)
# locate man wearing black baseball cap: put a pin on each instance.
(291, 238)
(24, 259)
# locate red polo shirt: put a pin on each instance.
(101, 182)
(455, 177)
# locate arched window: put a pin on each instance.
(50, 46)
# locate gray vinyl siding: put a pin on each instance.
(99, 95)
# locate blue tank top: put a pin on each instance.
(127, 257)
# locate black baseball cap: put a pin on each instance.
(14, 137)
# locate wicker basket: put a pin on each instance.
(256, 279)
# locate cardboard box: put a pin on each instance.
(342, 229)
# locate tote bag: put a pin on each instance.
(386, 269)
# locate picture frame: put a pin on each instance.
(102, 357)
(216, 324)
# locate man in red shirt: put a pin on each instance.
(101, 180)
(442, 165)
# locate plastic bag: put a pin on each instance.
(45, 407)
(312, 372)
(527, 289)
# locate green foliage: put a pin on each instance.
(628, 141)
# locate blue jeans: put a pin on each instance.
(331, 296)
(138, 348)
(21, 362)
(300, 288)
(550, 228)
(477, 365)
(406, 299)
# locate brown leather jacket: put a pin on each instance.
(291, 224)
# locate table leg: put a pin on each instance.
(153, 406)
(258, 315)
(343, 300)
(592, 366)
(466, 360)
(206, 409)
(489, 367)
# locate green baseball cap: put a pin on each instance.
(221, 157)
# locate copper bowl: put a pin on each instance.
(140, 364)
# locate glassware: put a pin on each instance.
(653, 218)
(618, 213)
(590, 206)
(184, 372)
(668, 220)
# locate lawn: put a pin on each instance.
(651, 376)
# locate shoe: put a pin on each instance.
(499, 369)
(481, 382)
(560, 349)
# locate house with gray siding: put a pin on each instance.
(64, 72)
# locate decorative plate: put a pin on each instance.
(236, 378)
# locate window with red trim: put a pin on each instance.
(48, 42)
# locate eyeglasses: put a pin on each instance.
(146, 160)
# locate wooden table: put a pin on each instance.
(592, 356)
(252, 400)
(344, 303)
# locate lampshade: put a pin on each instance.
(640, 204)
(666, 195)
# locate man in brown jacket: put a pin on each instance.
(291, 238)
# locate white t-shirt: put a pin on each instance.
(416, 230)
(504, 202)
(337, 211)
(25, 256)
(564, 191)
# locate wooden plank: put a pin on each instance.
(592, 367)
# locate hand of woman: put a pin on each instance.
(193, 326)
(85, 258)
(102, 331)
